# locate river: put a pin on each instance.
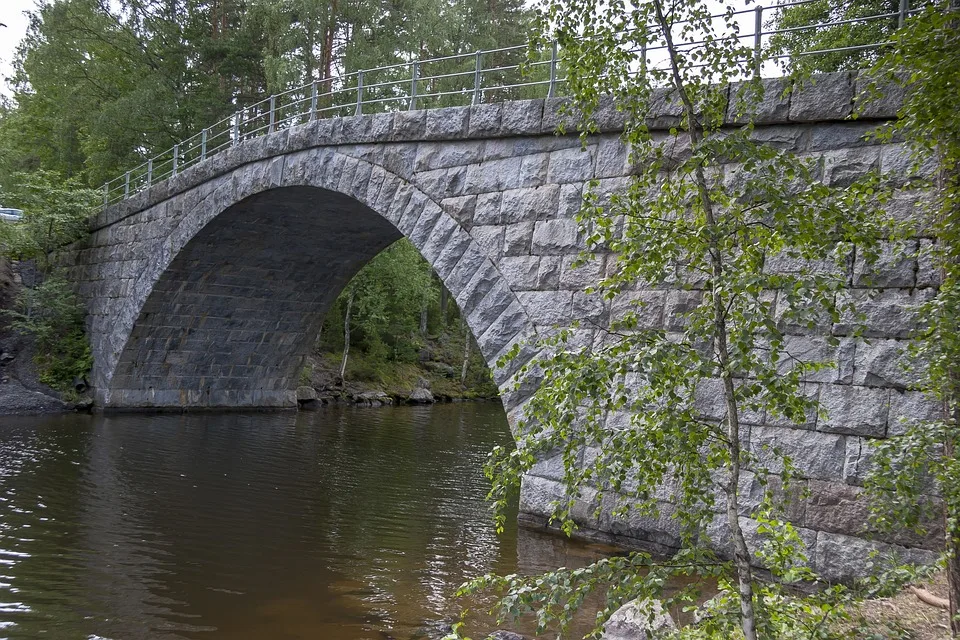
(340, 524)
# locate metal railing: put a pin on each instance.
(462, 79)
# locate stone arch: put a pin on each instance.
(223, 310)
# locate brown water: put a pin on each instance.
(344, 524)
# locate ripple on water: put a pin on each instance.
(344, 524)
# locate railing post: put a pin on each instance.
(176, 159)
(359, 93)
(643, 60)
(757, 44)
(106, 193)
(149, 172)
(126, 185)
(552, 90)
(236, 127)
(273, 114)
(203, 145)
(413, 85)
(313, 101)
(904, 8)
(477, 97)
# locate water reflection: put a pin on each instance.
(344, 524)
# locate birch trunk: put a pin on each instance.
(346, 336)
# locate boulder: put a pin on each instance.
(637, 620)
(420, 396)
(306, 394)
(372, 398)
(505, 635)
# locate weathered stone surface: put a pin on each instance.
(772, 107)
(816, 349)
(884, 363)
(442, 155)
(900, 165)
(895, 266)
(521, 117)
(421, 396)
(842, 558)
(825, 97)
(858, 411)
(638, 620)
(929, 273)
(539, 496)
(911, 408)
(409, 125)
(520, 271)
(841, 135)
(889, 313)
(526, 205)
(842, 167)
(449, 123)
(554, 237)
(883, 102)
(547, 307)
(305, 394)
(836, 508)
(570, 165)
(814, 454)
(485, 120)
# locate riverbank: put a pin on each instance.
(374, 383)
(21, 392)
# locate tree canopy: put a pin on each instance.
(99, 86)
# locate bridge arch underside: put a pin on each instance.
(230, 320)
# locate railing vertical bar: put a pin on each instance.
(236, 127)
(106, 193)
(273, 114)
(552, 90)
(413, 85)
(757, 44)
(176, 158)
(149, 172)
(314, 92)
(203, 145)
(126, 185)
(359, 93)
(477, 80)
(904, 8)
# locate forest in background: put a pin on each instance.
(100, 86)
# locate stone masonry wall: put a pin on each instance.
(207, 290)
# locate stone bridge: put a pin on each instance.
(208, 289)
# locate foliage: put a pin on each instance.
(659, 412)
(925, 60)
(390, 293)
(53, 316)
(55, 214)
(862, 24)
(99, 87)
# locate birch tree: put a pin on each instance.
(713, 220)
